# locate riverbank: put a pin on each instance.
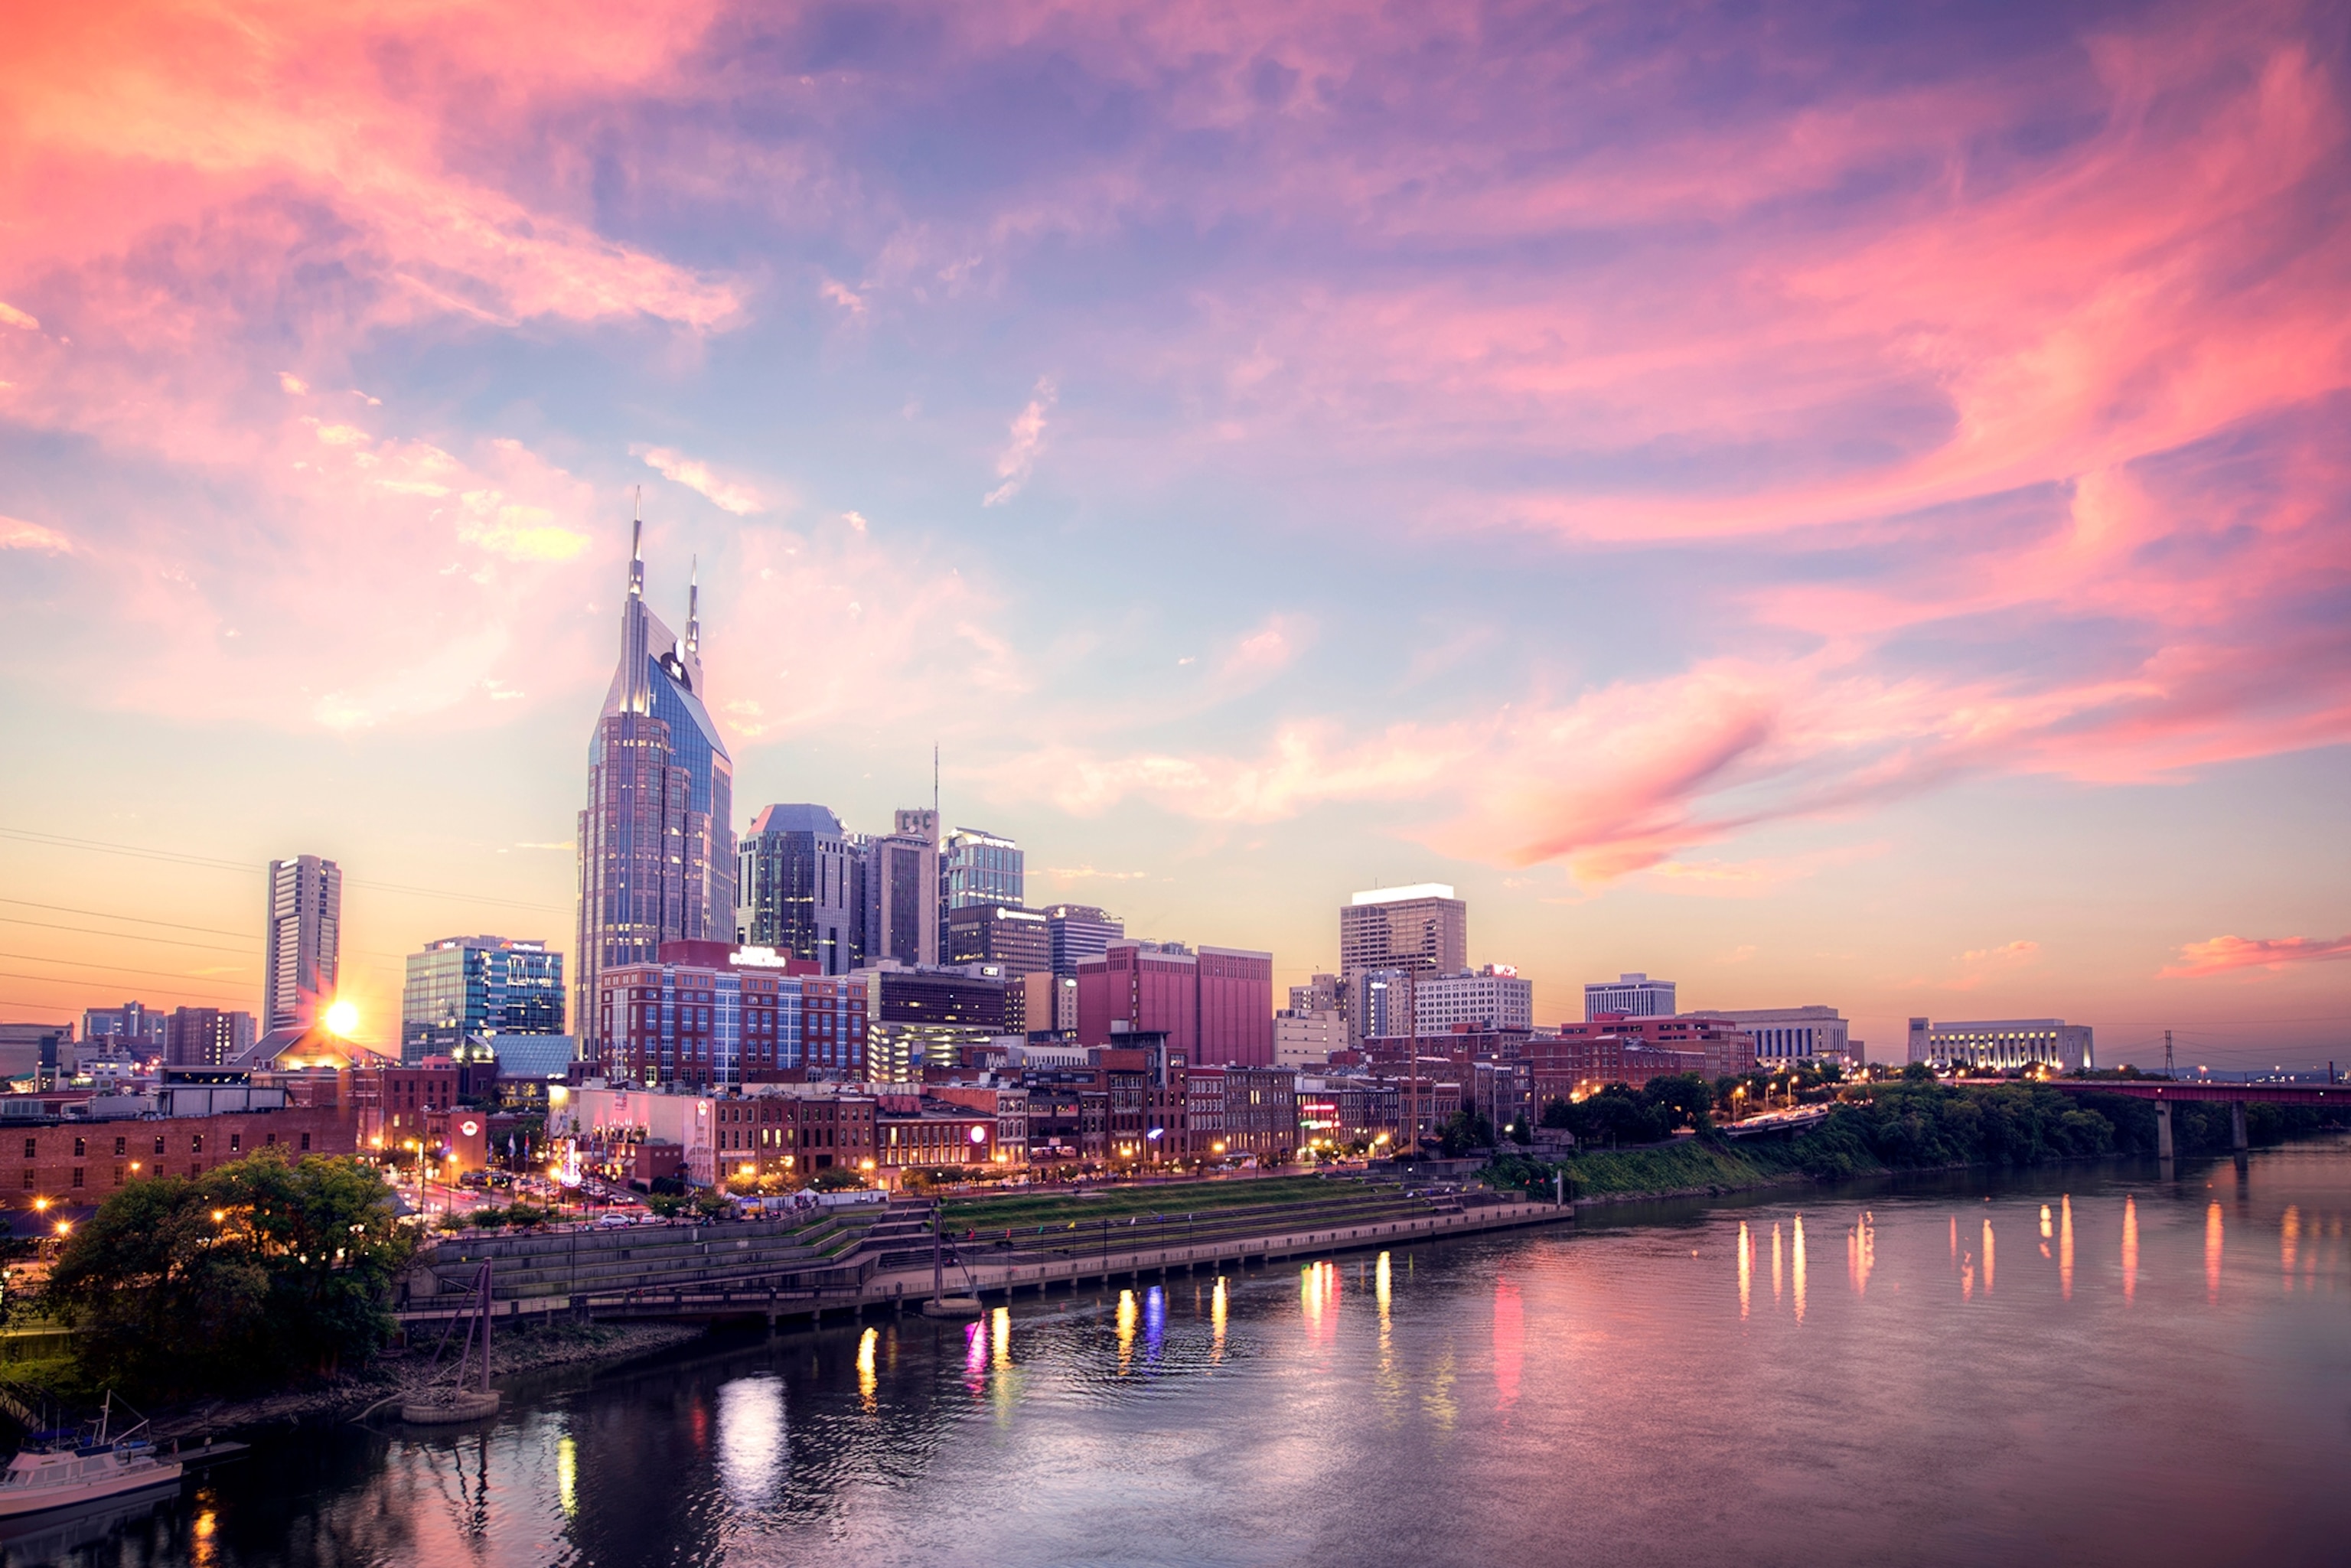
(514, 1352)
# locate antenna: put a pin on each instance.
(694, 605)
(2166, 1053)
(637, 548)
(934, 787)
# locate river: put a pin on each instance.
(2086, 1365)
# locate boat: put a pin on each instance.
(61, 1468)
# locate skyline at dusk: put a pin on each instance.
(1815, 506)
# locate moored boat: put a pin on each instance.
(58, 1469)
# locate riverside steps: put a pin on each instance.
(855, 1263)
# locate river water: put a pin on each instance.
(2090, 1365)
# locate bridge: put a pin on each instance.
(2169, 1092)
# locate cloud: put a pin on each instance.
(12, 317)
(17, 534)
(1089, 874)
(1981, 963)
(2219, 955)
(739, 499)
(1019, 459)
(844, 297)
(293, 384)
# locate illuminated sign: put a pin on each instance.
(757, 958)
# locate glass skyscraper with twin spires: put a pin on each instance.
(657, 837)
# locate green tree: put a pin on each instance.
(255, 1273)
(1685, 1099)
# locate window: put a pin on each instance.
(196, 1144)
(80, 1148)
(121, 1148)
(235, 1142)
(28, 1178)
(77, 1176)
(305, 1141)
(159, 1143)
(117, 1176)
(28, 1149)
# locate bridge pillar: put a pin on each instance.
(2237, 1140)
(2163, 1129)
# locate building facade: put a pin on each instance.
(1212, 1007)
(697, 1025)
(460, 987)
(74, 1162)
(1634, 996)
(207, 1036)
(2004, 1042)
(1422, 929)
(303, 941)
(656, 837)
(902, 891)
(1306, 1039)
(1077, 932)
(977, 866)
(1495, 996)
(800, 887)
(988, 933)
(1811, 1033)
(133, 1027)
(920, 1017)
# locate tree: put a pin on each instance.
(1918, 1073)
(1685, 1099)
(1558, 1114)
(1521, 1133)
(258, 1273)
(1465, 1131)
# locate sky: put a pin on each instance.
(1821, 504)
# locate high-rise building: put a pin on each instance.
(902, 891)
(134, 1027)
(1307, 1038)
(1495, 996)
(657, 837)
(1422, 928)
(304, 941)
(1379, 1004)
(1078, 932)
(924, 1017)
(800, 888)
(999, 934)
(464, 985)
(1634, 995)
(978, 867)
(1322, 994)
(206, 1037)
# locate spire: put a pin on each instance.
(693, 606)
(637, 548)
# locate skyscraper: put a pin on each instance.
(902, 890)
(1634, 995)
(980, 867)
(657, 838)
(1078, 932)
(801, 887)
(1423, 929)
(305, 940)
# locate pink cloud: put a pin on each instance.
(2220, 954)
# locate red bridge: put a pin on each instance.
(2236, 1096)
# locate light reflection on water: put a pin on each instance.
(1484, 1393)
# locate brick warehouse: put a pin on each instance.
(85, 1161)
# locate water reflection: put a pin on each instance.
(1525, 1359)
(750, 1437)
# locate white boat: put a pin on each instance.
(60, 1469)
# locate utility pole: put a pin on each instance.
(2166, 1053)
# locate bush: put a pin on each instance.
(488, 1216)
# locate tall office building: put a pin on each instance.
(1634, 995)
(657, 837)
(902, 891)
(1077, 932)
(462, 985)
(304, 941)
(800, 887)
(1018, 939)
(1423, 929)
(978, 867)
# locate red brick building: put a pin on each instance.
(77, 1161)
(1213, 1006)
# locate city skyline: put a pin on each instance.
(1429, 501)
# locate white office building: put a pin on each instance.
(2004, 1042)
(1495, 996)
(1782, 1035)
(1634, 995)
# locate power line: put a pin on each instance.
(123, 937)
(173, 857)
(136, 919)
(192, 987)
(119, 968)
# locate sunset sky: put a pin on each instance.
(1839, 504)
